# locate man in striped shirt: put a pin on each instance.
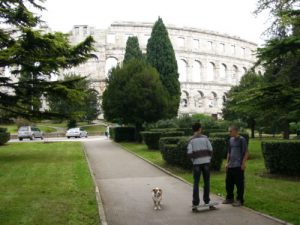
(200, 152)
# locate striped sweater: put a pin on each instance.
(199, 149)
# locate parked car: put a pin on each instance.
(30, 132)
(76, 132)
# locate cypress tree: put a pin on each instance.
(161, 55)
(133, 50)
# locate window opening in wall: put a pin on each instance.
(180, 42)
(184, 99)
(222, 47)
(76, 30)
(85, 30)
(233, 49)
(182, 69)
(210, 45)
(109, 64)
(196, 44)
(197, 71)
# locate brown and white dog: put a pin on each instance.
(157, 197)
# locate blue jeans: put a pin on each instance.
(197, 169)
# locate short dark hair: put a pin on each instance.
(196, 126)
(234, 127)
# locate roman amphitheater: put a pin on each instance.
(209, 63)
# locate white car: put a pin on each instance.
(30, 132)
(76, 132)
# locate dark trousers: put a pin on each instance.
(197, 170)
(235, 176)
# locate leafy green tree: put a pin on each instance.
(134, 95)
(32, 56)
(279, 98)
(236, 104)
(161, 55)
(133, 50)
(82, 104)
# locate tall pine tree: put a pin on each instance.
(161, 55)
(32, 56)
(133, 50)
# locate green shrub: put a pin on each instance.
(4, 137)
(3, 129)
(167, 141)
(119, 134)
(219, 147)
(151, 138)
(178, 155)
(282, 157)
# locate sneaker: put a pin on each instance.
(195, 208)
(227, 201)
(211, 207)
(237, 203)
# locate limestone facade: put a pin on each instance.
(209, 63)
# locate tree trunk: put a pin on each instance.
(286, 130)
(138, 136)
(252, 126)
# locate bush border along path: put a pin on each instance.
(286, 211)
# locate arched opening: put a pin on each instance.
(213, 100)
(184, 101)
(211, 71)
(199, 99)
(197, 71)
(223, 71)
(182, 69)
(110, 63)
(235, 72)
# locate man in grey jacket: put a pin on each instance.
(200, 152)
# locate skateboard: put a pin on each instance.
(206, 205)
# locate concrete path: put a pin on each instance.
(125, 183)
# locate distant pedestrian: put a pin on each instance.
(107, 132)
(235, 167)
(200, 152)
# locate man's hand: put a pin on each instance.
(226, 167)
(243, 167)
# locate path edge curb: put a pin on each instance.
(97, 192)
(185, 181)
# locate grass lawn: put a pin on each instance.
(94, 128)
(43, 184)
(277, 196)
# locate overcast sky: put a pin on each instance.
(234, 17)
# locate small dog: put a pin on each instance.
(157, 197)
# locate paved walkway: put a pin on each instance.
(125, 182)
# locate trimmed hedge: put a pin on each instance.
(282, 157)
(178, 155)
(119, 134)
(151, 138)
(4, 137)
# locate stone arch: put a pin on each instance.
(199, 99)
(110, 63)
(197, 71)
(235, 72)
(213, 100)
(184, 100)
(223, 71)
(211, 71)
(182, 69)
